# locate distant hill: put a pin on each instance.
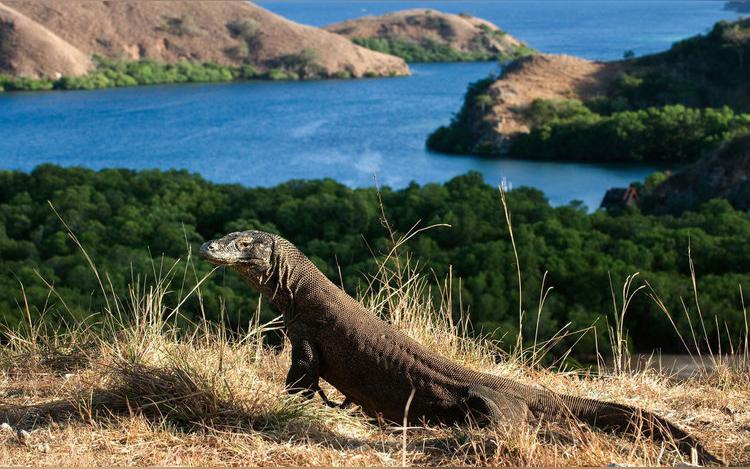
(222, 32)
(723, 174)
(423, 35)
(705, 71)
(29, 49)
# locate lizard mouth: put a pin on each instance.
(211, 252)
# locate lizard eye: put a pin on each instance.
(243, 244)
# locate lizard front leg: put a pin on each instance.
(304, 374)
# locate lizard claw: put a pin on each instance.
(346, 403)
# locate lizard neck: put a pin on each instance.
(291, 276)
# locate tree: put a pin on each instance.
(738, 36)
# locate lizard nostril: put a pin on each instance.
(212, 247)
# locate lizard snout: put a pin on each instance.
(208, 248)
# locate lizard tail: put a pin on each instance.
(621, 419)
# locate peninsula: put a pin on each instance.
(673, 106)
(98, 42)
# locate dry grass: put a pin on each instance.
(140, 391)
(145, 393)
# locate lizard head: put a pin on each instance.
(249, 251)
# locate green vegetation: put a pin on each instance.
(459, 137)
(304, 64)
(125, 219)
(429, 50)
(672, 107)
(568, 130)
(572, 130)
(516, 53)
(112, 74)
(426, 50)
(245, 28)
(247, 31)
(702, 71)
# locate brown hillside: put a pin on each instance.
(460, 32)
(225, 32)
(539, 76)
(28, 48)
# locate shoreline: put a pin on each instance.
(125, 74)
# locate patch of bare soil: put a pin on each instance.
(542, 76)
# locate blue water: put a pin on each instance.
(594, 29)
(264, 133)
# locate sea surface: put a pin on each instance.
(354, 131)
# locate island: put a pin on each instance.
(425, 35)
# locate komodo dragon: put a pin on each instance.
(375, 366)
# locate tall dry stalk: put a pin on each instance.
(506, 211)
(618, 336)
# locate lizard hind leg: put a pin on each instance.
(487, 406)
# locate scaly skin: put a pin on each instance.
(376, 366)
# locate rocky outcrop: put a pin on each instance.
(462, 33)
(29, 49)
(496, 109)
(723, 174)
(540, 76)
(223, 32)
